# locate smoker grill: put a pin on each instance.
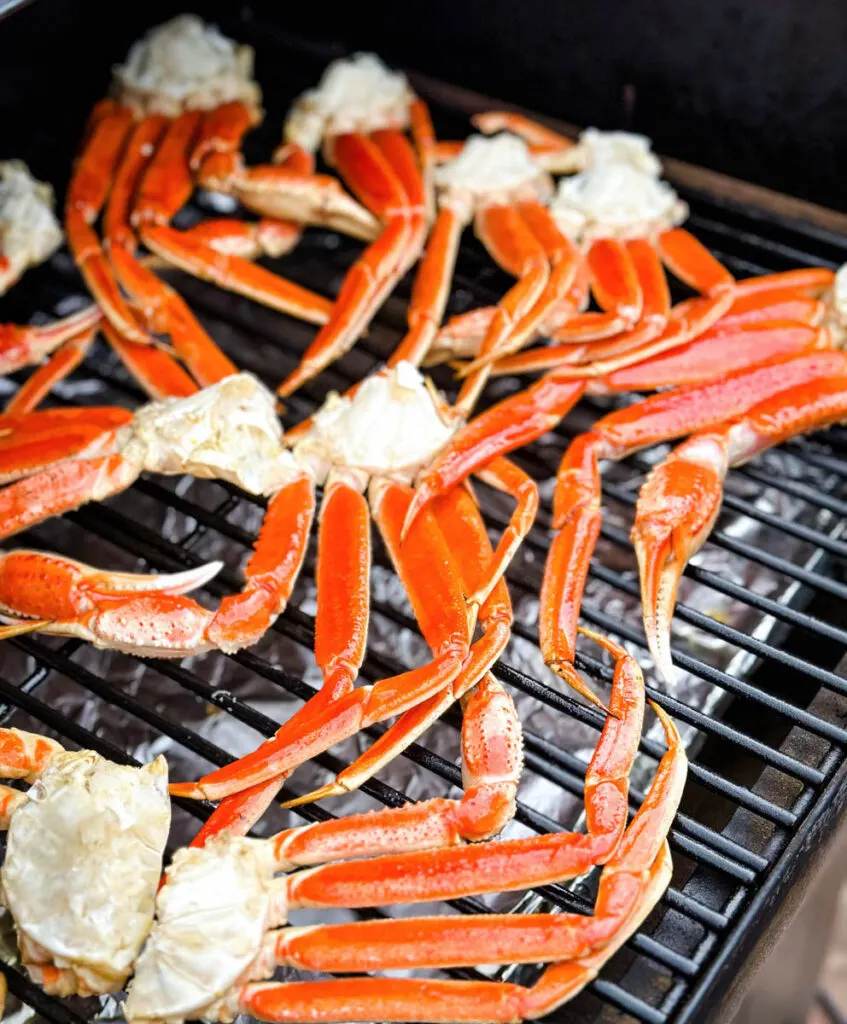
(764, 704)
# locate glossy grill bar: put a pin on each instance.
(761, 620)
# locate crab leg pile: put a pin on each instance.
(594, 242)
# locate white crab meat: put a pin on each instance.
(596, 147)
(83, 862)
(497, 168)
(390, 427)
(29, 231)
(838, 298)
(212, 915)
(619, 194)
(356, 94)
(185, 64)
(229, 431)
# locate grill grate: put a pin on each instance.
(767, 728)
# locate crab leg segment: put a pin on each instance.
(431, 289)
(680, 501)
(577, 500)
(382, 171)
(24, 346)
(158, 373)
(51, 588)
(426, 568)
(165, 187)
(463, 529)
(546, 268)
(272, 570)
(510, 424)
(92, 178)
(57, 368)
(470, 940)
(491, 759)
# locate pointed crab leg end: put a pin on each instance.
(424, 494)
(566, 671)
(331, 789)
(660, 573)
(187, 790)
(21, 628)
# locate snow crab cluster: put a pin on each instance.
(595, 241)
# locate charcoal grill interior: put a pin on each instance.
(766, 783)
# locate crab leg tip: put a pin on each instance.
(570, 675)
(423, 495)
(331, 789)
(187, 790)
(22, 627)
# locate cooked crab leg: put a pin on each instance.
(734, 341)
(448, 1002)
(546, 273)
(461, 524)
(381, 170)
(48, 587)
(489, 867)
(24, 346)
(470, 940)
(492, 758)
(59, 366)
(286, 190)
(577, 501)
(431, 289)
(631, 884)
(165, 187)
(158, 373)
(424, 564)
(110, 125)
(161, 308)
(680, 501)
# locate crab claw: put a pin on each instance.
(126, 611)
(674, 515)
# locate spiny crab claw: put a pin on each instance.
(674, 515)
(128, 611)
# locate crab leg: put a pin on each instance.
(342, 577)
(426, 568)
(92, 178)
(272, 570)
(381, 170)
(692, 263)
(35, 441)
(513, 246)
(165, 187)
(680, 501)
(563, 261)
(577, 500)
(60, 489)
(463, 529)
(451, 872)
(232, 273)
(491, 764)
(341, 626)
(431, 289)
(233, 237)
(615, 284)
(491, 758)
(24, 346)
(45, 587)
(733, 342)
(58, 367)
(154, 370)
(495, 938)
(510, 424)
